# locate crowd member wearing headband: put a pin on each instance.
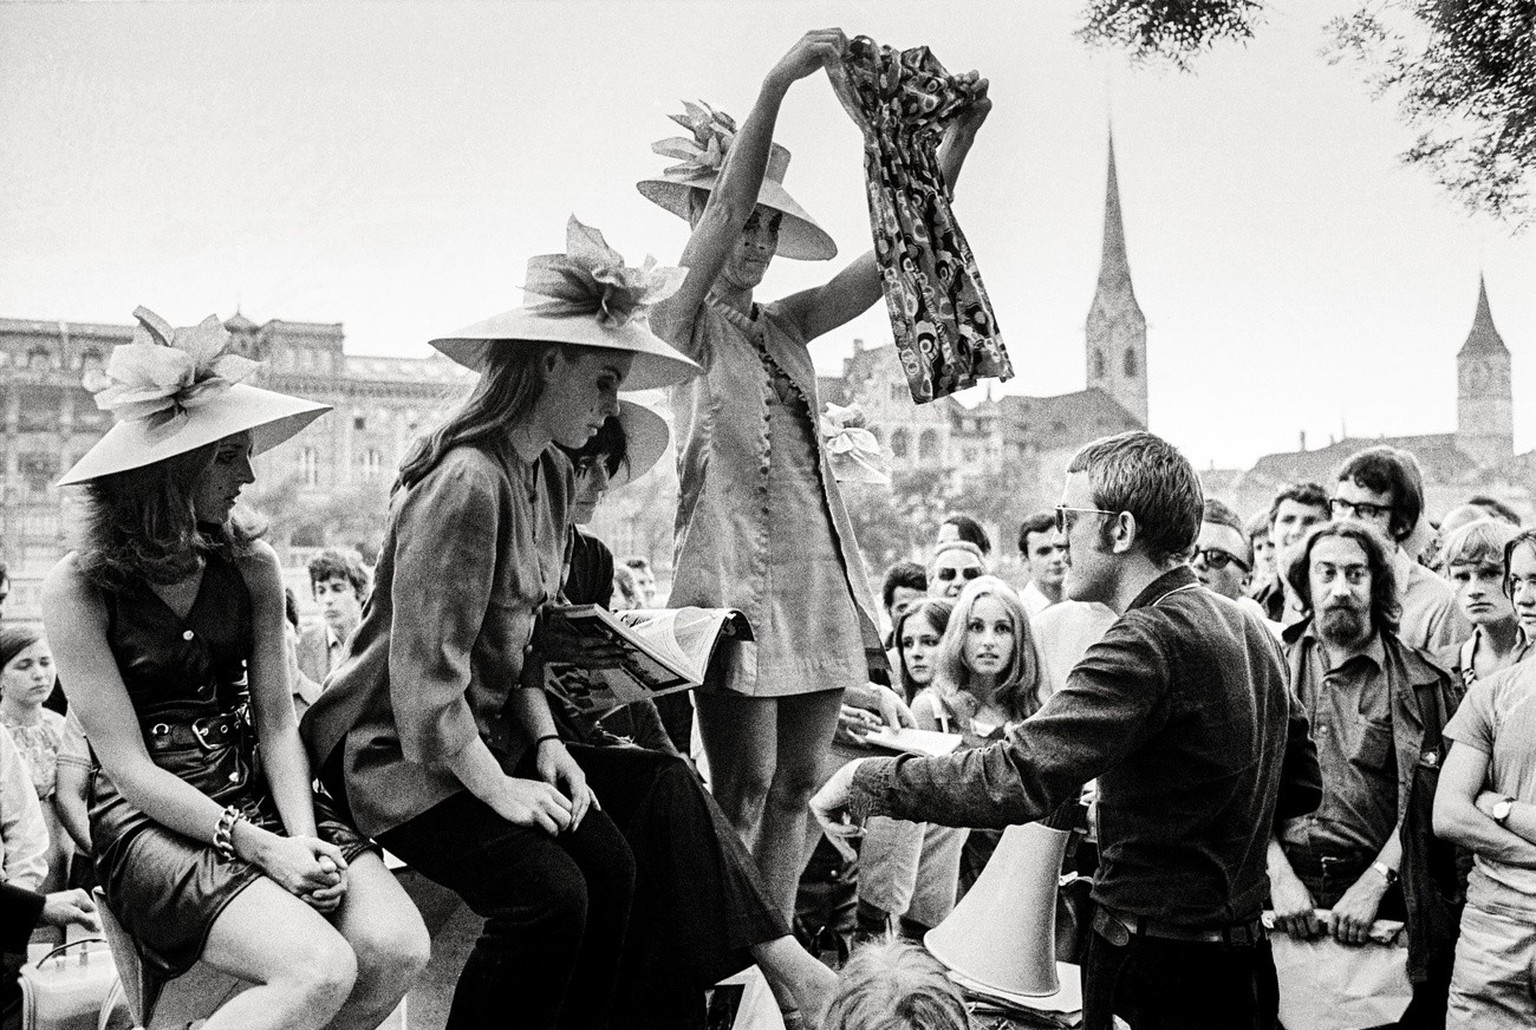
(701, 913)
(435, 730)
(761, 524)
(168, 620)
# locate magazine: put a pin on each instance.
(926, 743)
(664, 650)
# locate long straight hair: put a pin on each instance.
(1019, 683)
(140, 524)
(510, 385)
(935, 611)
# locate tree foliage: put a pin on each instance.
(1463, 73)
(1169, 30)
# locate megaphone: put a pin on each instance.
(1002, 934)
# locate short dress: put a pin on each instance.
(782, 560)
(186, 679)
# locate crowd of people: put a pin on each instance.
(1320, 712)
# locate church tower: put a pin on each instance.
(1484, 402)
(1116, 329)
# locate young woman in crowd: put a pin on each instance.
(436, 732)
(1473, 559)
(986, 680)
(168, 622)
(761, 523)
(50, 747)
(701, 913)
(908, 871)
(896, 986)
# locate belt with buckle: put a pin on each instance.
(209, 733)
(1117, 930)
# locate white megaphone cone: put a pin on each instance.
(1002, 935)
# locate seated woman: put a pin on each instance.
(168, 622)
(430, 731)
(701, 912)
(47, 742)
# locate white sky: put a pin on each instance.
(391, 166)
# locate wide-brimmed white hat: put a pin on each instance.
(704, 155)
(175, 390)
(588, 297)
(646, 436)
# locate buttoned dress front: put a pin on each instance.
(761, 525)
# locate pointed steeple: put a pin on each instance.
(1114, 266)
(1484, 337)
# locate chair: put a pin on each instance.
(182, 1002)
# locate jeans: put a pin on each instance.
(1156, 984)
(556, 910)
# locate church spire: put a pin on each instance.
(1114, 266)
(1116, 328)
(1483, 337)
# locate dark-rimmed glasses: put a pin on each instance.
(1342, 509)
(1061, 515)
(1216, 558)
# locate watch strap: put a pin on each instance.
(1387, 872)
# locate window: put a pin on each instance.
(90, 358)
(39, 409)
(1099, 367)
(39, 358)
(1131, 363)
(37, 471)
(359, 422)
(899, 443)
(373, 464)
(309, 467)
(928, 445)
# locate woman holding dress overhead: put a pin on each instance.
(761, 525)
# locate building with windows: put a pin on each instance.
(47, 420)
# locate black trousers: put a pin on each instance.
(556, 912)
(699, 902)
(1157, 984)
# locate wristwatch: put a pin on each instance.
(1387, 872)
(1501, 809)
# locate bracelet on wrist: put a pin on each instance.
(224, 832)
(538, 742)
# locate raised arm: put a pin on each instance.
(734, 197)
(852, 291)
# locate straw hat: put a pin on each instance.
(703, 156)
(646, 437)
(174, 390)
(587, 296)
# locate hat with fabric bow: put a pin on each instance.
(171, 391)
(588, 297)
(702, 157)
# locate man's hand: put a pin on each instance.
(1352, 917)
(1294, 907)
(72, 906)
(555, 641)
(558, 769)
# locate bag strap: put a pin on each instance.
(61, 949)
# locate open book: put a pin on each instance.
(664, 650)
(926, 743)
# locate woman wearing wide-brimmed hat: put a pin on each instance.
(761, 524)
(167, 621)
(431, 733)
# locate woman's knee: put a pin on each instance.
(393, 952)
(320, 974)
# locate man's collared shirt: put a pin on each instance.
(1034, 599)
(1349, 710)
(1430, 619)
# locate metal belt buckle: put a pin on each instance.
(1111, 928)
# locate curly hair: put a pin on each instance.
(333, 563)
(140, 524)
(1385, 607)
(1020, 686)
(895, 986)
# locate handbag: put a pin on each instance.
(65, 989)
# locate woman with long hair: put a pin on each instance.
(436, 732)
(168, 622)
(761, 525)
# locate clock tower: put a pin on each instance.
(1484, 402)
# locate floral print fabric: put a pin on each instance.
(945, 333)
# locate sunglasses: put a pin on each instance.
(949, 572)
(1343, 509)
(1061, 515)
(1216, 558)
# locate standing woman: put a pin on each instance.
(431, 733)
(761, 525)
(168, 620)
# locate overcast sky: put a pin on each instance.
(392, 166)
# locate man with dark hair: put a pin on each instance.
(1297, 507)
(1045, 560)
(1222, 560)
(1382, 488)
(905, 583)
(963, 527)
(1183, 714)
(1377, 709)
(340, 583)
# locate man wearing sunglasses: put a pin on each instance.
(1222, 560)
(1382, 488)
(955, 563)
(1183, 713)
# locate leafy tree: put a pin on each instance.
(1171, 30)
